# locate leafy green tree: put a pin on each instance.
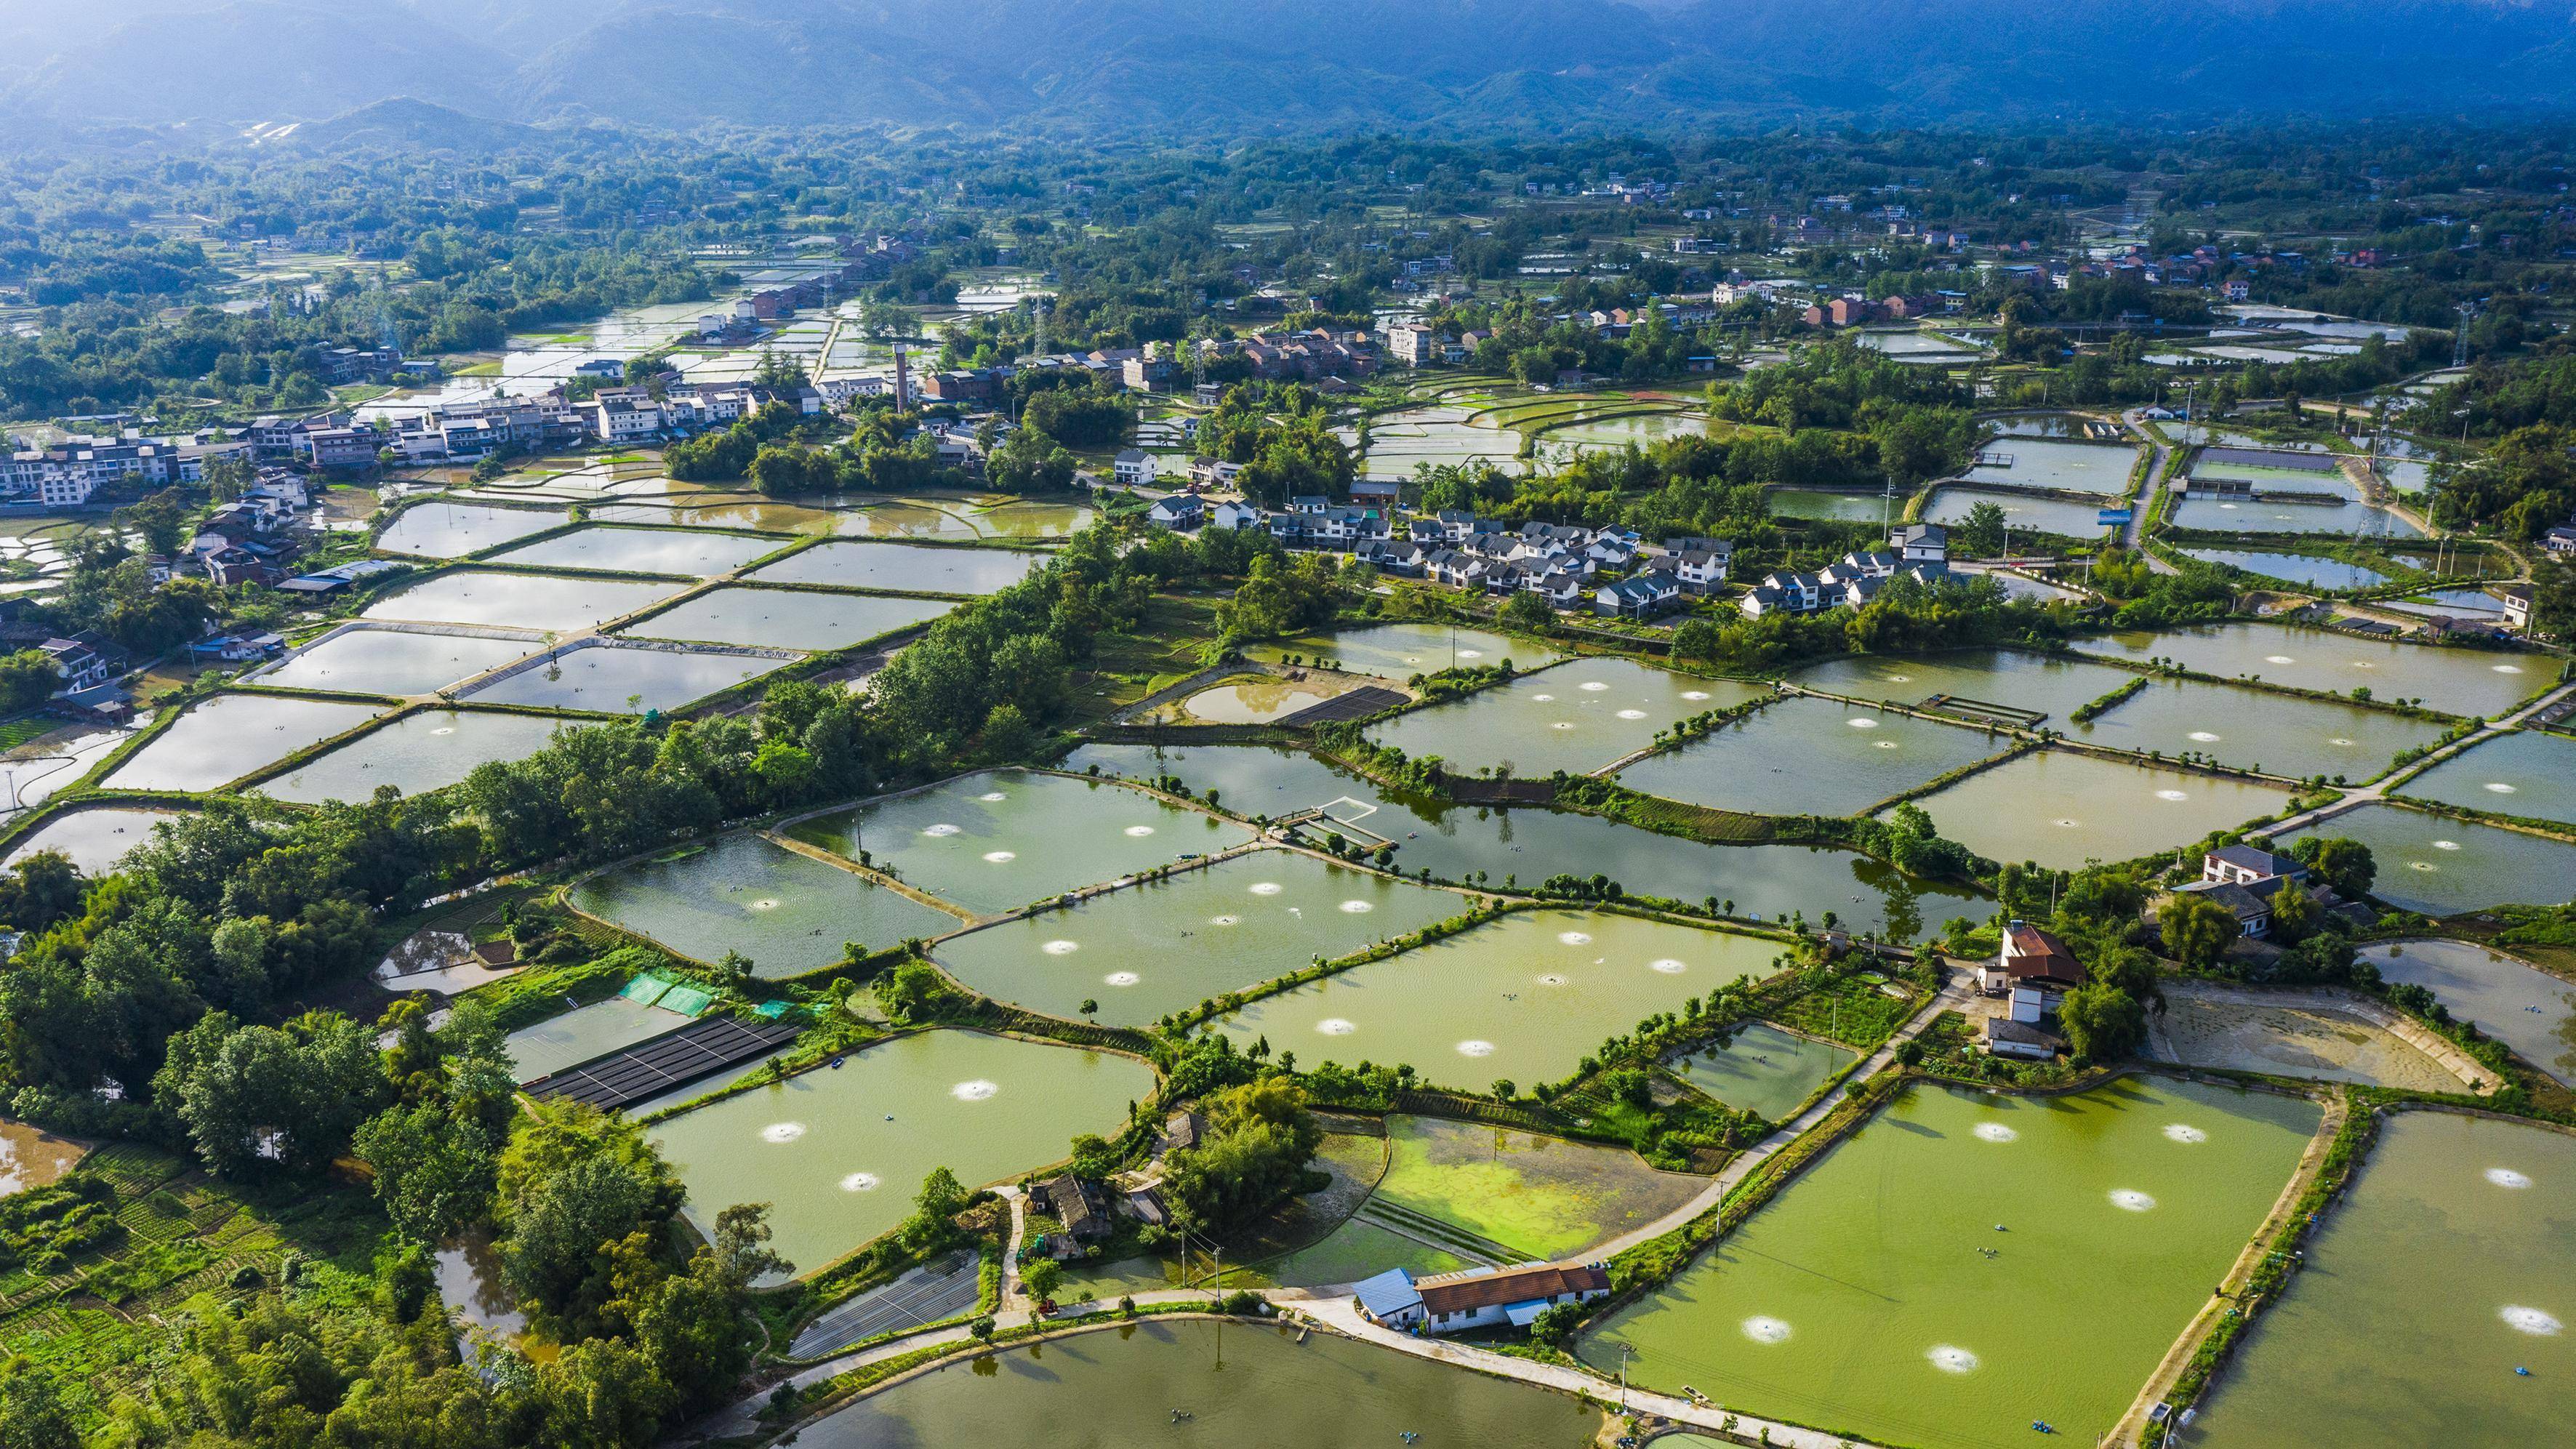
(2339, 861)
(33, 1414)
(259, 1098)
(1526, 612)
(1259, 1140)
(941, 1199)
(2197, 932)
(28, 678)
(433, 1174)
(1981, 533)
(1042, 1278)
(2102, 1023)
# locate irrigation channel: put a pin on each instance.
(1925, 1265)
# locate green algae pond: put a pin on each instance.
(1244, 1387)
(904, 568)
(2449, 1264)
(1927, 1282)
(1763, 1069)
(2050, 684)
(685, 552)
(393, 661)
(556, 603)
(996, 841)
(451, 530)
(1577, 717)
(611, 678)
(1811, 757)
(1400, 651)
(2517, 1003)
(2481, 682)
(2525, 773)
(787, 618)
(839, 1151)
(94, 840)
(2440, 866)
(1459, 842)
(232, 735)
(2280, 734)
(2062, 808)
(423, 751)
(1525, 997)
(1545, 1198)
(788, 913)
(1147, 950)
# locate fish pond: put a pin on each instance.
(1400, 651)
(2050, 684)
(1834, 504)
(423, 751)
(452, 530)
(2440, 866)
(2098, 468)
(1145, 951)
(1524, 997)
(2022, 514)
(393, 661)
(2460, 681)
(2062, 809)
(1463, 843)
(2277, 733)
(788, 913)
(623, 678)
(94, 840)
(685, 552)
(2294, 568)
(232, 735)
(1763, 1069)
(2447, 1267)
(1810, 757)
(585, 1032)
(787, 618)
(994, 842)
(1577, 717)
(904, 568)
(840, 1151)
(2515, 1002)
(31, 1157)
(2349, 517)
(1922, 1283)
(556, 603)
(1241, 1386)
(2525, 773)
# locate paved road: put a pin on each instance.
(2133, 535)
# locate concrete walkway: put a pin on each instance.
(2133, 534)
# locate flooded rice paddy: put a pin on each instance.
(904, 568)
(1149, 950)
(1400, 651)
(452, 530)
(2510, 999)
(2440, 866)
(1922, 1284)
(1524, 997)
(2459, 681)
(1486, 845)
(1117, 1388)
(2450, 1263)
(556, 603)
(624, 679)
(232, 735)
(94, 840)
(840, 1152)
(1763, 1069)
(392, 661)
(423, 751)
(788, 913)
(787, 618)
(2062, 809)
(1577, 717)
(684, 552)
(1810, 757)
(2525, 773)
(997, 841)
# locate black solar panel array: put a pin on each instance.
(1359, 703)
(649, 1069)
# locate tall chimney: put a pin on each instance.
(902, 381)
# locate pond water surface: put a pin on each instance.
(583, 1033)
(2511, 1000)
(621, 679)
(2295, 568)
(687, 552)
(1400, 651)
(904, 568)
(2277, 733)
(232, 735)
(1763, 1069)
(787, 618)
(426, 750)
(450, 530)
(1878, 1296)
(551, 602)
(1576, 717)
(787, 913)
(95, 840)
(2439, 866)
(2101, 468)
(840, 1152)
(2446, 1267)
(2458, 681)
(2061, 809)
(2527, 773)
(1810, 757)
(393, 661)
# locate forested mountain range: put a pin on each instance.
(1254, 66)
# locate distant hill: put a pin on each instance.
(410, 122)
(1251, 66)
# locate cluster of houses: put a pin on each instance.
(1919, 551)
(1089, 1210)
